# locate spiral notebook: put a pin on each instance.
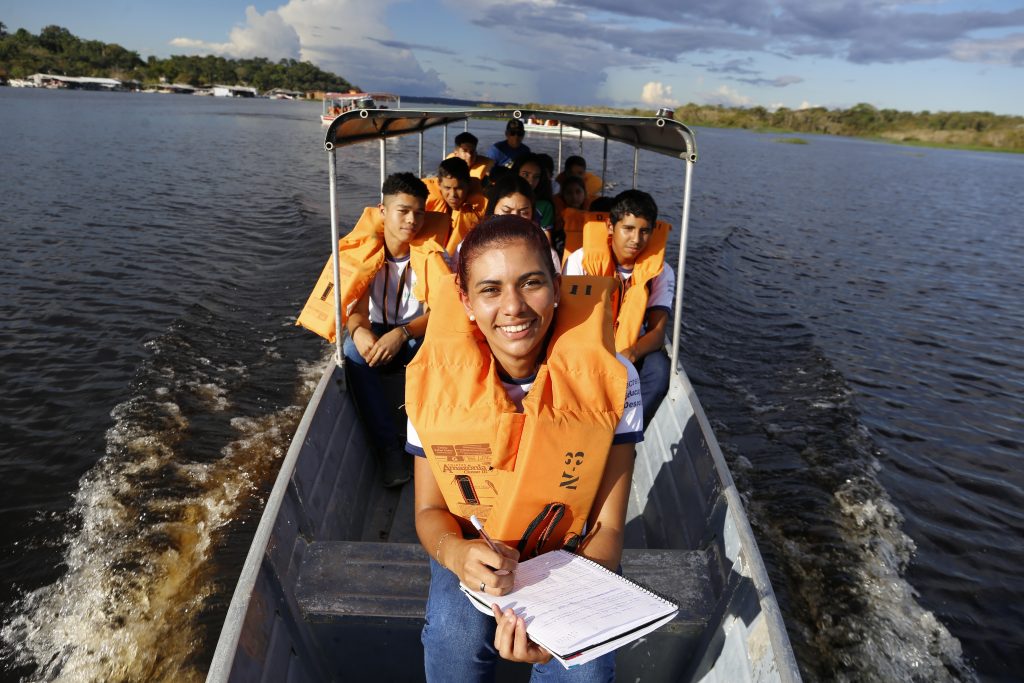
(577, 609)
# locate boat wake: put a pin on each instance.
(807, 469)
(187, 460)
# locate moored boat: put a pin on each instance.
(335, 582)
(555, 127)
(338, 103)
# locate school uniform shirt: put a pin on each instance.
(392, 288)
(662, 294)
(630, 428)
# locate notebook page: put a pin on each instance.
(568, 601)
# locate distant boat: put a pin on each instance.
(551, 127)
(335, 582)
(337, 103)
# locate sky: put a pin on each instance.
(911, 55)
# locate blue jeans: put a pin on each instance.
(379, 391)
(458, 641)
(654, 377)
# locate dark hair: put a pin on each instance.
(466, 138)
(497, 173)
(546, 162)
(543, 189)
(497, 232)
(506, 186)
(601, 204)
(572, 180)
(454, 168)
(404, 183)
(574, 160)
(635, 202)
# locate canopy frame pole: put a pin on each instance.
(559, 166)
(421, 153)
(332, 171)
(636, 164)
(684, 226)
(581, 142)
(383, 164)
(604, 161)
(444, 143)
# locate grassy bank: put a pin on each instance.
(979, 131)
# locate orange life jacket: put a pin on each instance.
(481, 165)
(361, 256)
(592, 182)
(531, 475)
(465, 219)
(631, 309)
(573, 221)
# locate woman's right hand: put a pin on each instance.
(475, 563)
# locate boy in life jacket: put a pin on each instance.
(465, 149)
(646, 287)
(577, 166)
(387, 322)
(455, 193)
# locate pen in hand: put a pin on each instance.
(483, 534)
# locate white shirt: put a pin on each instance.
(391, 276)
(629, 430)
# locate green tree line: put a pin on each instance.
(56, 50)
(973, 129)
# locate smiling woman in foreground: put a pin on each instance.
(526, 418)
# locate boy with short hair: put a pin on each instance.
(577, 166)
(387, 322)
(455, 193)
(465, 149)
(631, 248)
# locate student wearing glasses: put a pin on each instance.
(505, 152)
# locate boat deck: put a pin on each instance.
(358, 578)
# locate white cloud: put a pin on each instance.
(727, 96)
(262, 35)
(658, 94)
(1005, 50)
(337, 35)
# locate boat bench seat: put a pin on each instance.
(365, 602)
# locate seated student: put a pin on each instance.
(531, 169)
(465, 149)
(647, 286)
(505, 152)
(512, 195)
(388, 318)
(506, 336)
(453, 192)
(577, 165)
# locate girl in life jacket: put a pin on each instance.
(522, 415)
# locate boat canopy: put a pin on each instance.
(659, 134)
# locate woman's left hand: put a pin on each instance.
(511, 641)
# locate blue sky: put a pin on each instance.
(910, 55)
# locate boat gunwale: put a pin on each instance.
(231, 631)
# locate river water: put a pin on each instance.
(853, 326)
